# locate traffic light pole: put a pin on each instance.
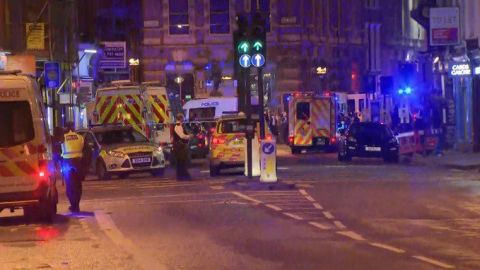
(248, 111)
(261, 103)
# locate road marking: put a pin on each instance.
(308, 197)
(387, 247)
(319, 225)
(248, 198)
(339, 225)
(318, 206)
(283, 168)
(293, 216)
(271, 206)
(108, 226)
(352, 235)
(304, 185)
(434, 262)
(303, 192)
(205, 171)
(328, 215)
(217, 187)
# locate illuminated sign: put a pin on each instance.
(321, 70)
(460, 70)
(477, 70)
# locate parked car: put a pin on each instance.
(367, 139)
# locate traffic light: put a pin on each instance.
(241, 44)
(259, 35)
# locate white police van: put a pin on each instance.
(209, 109)
(27, 174)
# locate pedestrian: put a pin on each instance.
(73, 166)
(180, 149)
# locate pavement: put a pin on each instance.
(451, 160)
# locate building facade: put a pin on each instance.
(350, 38)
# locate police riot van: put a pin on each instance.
(209, 109)
(27, 174)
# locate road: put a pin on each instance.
(360, 215)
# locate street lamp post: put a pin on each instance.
(179, 80)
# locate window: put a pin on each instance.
(264, 6)
(219, 17)
(16, 119)
(201, 114)
(303, 111)
(119, 136)
(178, 17)
(233, 126)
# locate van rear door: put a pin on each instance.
(18, 150)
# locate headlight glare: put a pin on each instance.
(116, 154)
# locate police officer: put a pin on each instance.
(180, 149)
(73, 171)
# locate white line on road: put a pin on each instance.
(283, 168)
(308, 197)
(339, 225)
(319, 225)
(248, 198)
(387, 247)
(217, 187)
(328, 215)
(318, 206)
(108, 226)
(303, 192)
(205, 171)
(293, 216)
(352, 235)
(271, 206)
(434, 262)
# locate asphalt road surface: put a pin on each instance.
(360, 215)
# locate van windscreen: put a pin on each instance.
(17, 124)
(201, 114)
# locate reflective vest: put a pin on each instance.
(72, 147)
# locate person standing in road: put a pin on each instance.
(73, 166)
(180, 149)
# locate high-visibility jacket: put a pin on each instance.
(72, 147)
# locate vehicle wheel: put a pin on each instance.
(158, 172)
(214, 170)
(47, 210)
(295, 150)
(101, 171)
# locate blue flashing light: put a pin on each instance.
(400, 91)
(408, 90)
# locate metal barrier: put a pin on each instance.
(421, 141)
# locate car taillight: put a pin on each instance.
(212, 130)
(42, 171)
(290, 139)
(218, 140)
(333, 140)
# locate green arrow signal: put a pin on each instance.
(258, 45)
(243, 47)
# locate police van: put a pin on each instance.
(209, 109)
(27, 175)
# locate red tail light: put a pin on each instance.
(333, 140)
(42, 172)
(290, 139)
(212, 130)
(218, 140)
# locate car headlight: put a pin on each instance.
(116, 154)
(158, 151)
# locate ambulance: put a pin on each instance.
(311, 121)
(146, 107)
(27, 174)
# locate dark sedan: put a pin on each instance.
(368, 139)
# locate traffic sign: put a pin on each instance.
(244, 47)
(258, 60)
(268, 148)
(245, 60)
(52, 74)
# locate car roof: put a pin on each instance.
(96, 129)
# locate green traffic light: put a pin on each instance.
(258, 45)
(243, 47)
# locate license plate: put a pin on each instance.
(141, 160)
(373, 149)
(193, 147)
(320, 142)
(237, 142)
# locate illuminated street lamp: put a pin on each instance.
(179, 80)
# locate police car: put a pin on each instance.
(227, 146)
(27, 174)
(121, 150)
